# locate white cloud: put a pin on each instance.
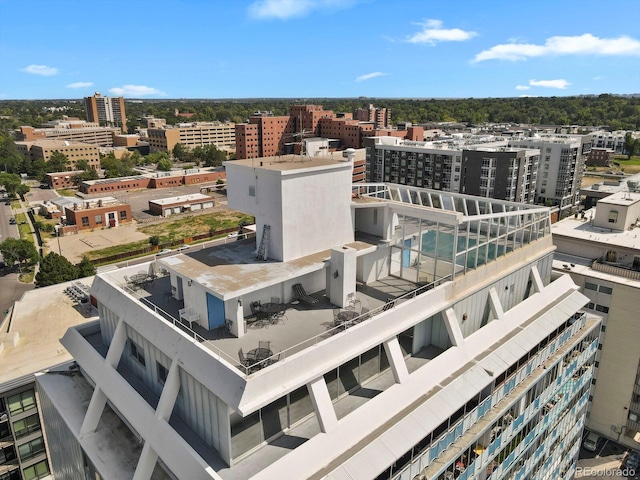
(135, 91)
(285, 9)
(585, 44)
(80, 85)
(432, 32)
(597, 78)
(43, 70)
(368, 76)
(522, 87)
(560, 83)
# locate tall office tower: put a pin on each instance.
(368, 331)
(107, 111)
(381, 117)
(600, 251)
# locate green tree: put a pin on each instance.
(182, 153)
(54, 269)
(11, 182)
(154, 240)
(164, 165)
(631, 145)
(10, 158)
(22, 251)
(87, 173)
(58, 162)
(85, 268)
(22, 190)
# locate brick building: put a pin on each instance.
(184, 203)
(59, 180)
(98, 213)
(197, 134)
(600, 157)
(107, 111)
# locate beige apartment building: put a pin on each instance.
(600, 250)
(222, 135)
(43, 149)
(106, 111)
(87, 132)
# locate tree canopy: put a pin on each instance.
(58, 162)
(55, 269)
(22, 251)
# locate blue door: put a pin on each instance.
(215, 311)
(406, 254)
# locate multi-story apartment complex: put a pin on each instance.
(76, 132)
(562, 163)
(381, 117)
(222, 135)
(601, 252)
(611, 140)
(542, 169)
(479, 169)
(28, 344)
(383, 332)
(107, 111)
(74, 151)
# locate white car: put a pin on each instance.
(233, 235)
(184, 247)
(164, 251)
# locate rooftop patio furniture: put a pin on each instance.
(303, 296)
(389, 304)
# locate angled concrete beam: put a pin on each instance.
(396, 360)
(322, 405)
(494, 303)
(453, 327)
(534, 275)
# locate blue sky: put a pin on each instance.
(318, 48)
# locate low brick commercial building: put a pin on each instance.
(98, 213)
(59, 180)
(183, 203)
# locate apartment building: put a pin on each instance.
(473, 166)
(611, 140)
(29, 344)
(106, 111)
(600, 250)
(197, 134)
(561, 166)
(74, 151)
(381, 117)
(372, 338)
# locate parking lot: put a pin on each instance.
(606, 463)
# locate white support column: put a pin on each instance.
(396, 360)
(146, 463)
(169, 392)
(494, 303)
(322, 404)
(118, 343)
(453, 327)
(94, 412)
(536, 279)
(99, 399)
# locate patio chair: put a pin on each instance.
(264, 344)
(244, 361)
(255, 307)
(364, 314)
(275, 299)
(302, 295)
(352, 300)
(389, 304)
(275, 358)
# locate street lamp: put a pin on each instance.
(57, 227)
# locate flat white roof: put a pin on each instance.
(194, 197)
(41, 317)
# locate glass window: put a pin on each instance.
(162, 373)
(607, 290)
(98, 219)
(85, 221)
(123, 214)
(26, 426)
(21, 402)
(137, 352)
(31, 449)
(602, 308)
(38, 470)
(591, 286)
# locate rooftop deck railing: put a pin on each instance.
(313, 341)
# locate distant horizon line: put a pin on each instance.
(177, 99)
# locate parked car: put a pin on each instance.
(184, 247)
(164, 251)
(12, 220)
(632, 461)
(233, 235)
(591, 441)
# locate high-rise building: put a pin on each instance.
(600, 250)
(381, 117)
(106, 111)
(29, 344)
(368, 331)
(490, 170)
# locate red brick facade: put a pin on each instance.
(135, 183)
(99, 216)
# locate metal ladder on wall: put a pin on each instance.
(264, 242)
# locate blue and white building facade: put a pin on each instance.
(464, 355)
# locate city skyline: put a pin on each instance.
(318, 48)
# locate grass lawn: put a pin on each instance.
(186, 228)
(27, 275)
(628, 166)
(117, 249)
(44, 220)
(65, 192)
(23, 227)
